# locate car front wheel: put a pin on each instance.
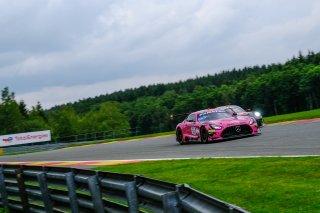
(204, 135)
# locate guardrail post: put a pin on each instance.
(170, 202)
(22, 190)
(95, 194)
(45, 192)
(132, 197)
(3, 192)
(72, 192)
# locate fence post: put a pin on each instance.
(170, 202)
(72, 192)
(3, 192)
(132, 197)
(45, 192)
(22, 190)
(95, 194)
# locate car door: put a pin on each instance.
(191, 129)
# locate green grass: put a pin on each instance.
(293, 116)
(256, 184)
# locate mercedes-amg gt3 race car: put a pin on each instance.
(213, 125)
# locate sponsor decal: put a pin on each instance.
(8, 139)
(30, 137)
(194, 130)
(25, 138)
(211, 130)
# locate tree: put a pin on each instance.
(106, 117)
(35, 119)
(23, 109)
(10, 116)
(64, 122)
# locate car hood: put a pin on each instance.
(232, 121)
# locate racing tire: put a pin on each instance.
(179, 136)
(204, 135)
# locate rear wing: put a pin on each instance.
(175, 116)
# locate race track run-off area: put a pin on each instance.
(287, 139)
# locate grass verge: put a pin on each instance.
(256, 184)
(293, 116)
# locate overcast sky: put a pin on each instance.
(59, 51)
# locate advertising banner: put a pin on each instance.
(25, 138)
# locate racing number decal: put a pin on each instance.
(194, 130)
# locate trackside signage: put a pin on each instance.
(25, 138)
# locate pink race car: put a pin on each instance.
(213, 125)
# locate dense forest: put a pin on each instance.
(272, 89)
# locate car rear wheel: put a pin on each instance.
(203, 135)
(179, 136)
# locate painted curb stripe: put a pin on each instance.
(74, 163)
(295, 121)
(120, 162)
(308, 120)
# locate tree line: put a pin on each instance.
(16, 118)
(272, 89)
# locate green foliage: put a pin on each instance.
(10, 116)
(256, 184)
(35, 120)
(148, 114)
(64, 122)
(15, 118)
(106, 117)
(23, 109)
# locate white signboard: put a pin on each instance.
(25, 138)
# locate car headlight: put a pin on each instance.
(257, 114)
(213, 126)
(252, 121)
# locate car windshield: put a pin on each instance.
(210, 116)
(238, 109)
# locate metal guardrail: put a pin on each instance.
(59, 189)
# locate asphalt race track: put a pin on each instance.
(302, 138)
